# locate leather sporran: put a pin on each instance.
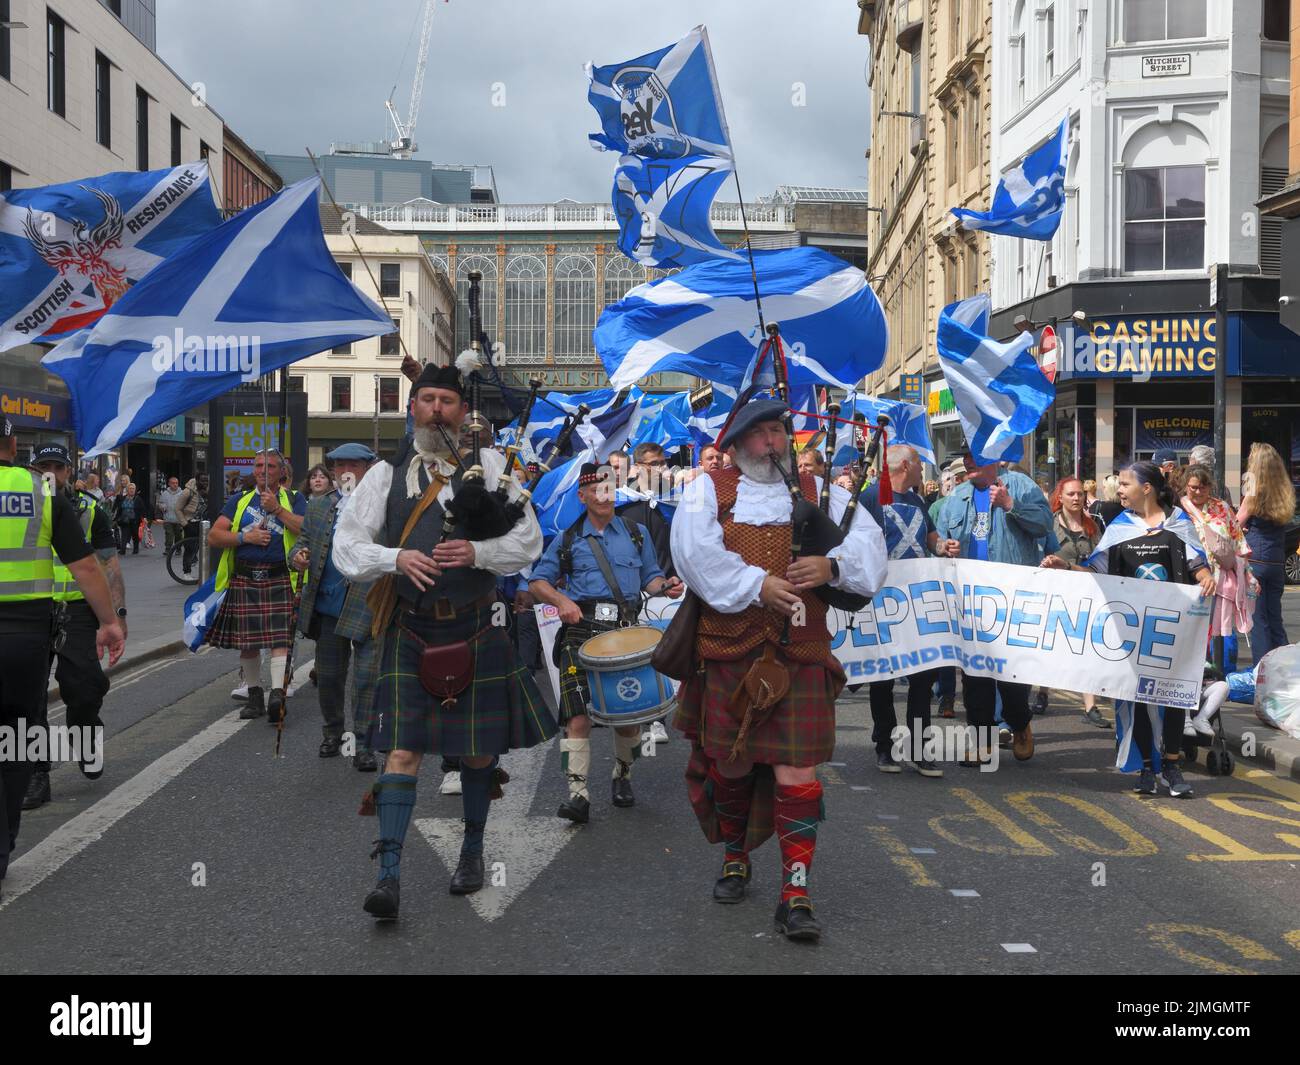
(674, 655)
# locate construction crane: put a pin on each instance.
(404, 146)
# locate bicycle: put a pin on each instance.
(176, 560)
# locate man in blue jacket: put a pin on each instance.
(997, 516)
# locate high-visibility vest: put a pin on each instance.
(227, 565)
(66, 589)
(26, 528)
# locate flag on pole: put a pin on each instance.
(1030, 196)
(254, 294)
(69, 252)
(663, 208)
(704, 321)
(907, 425)
(999, 390)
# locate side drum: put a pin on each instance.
(625, 689)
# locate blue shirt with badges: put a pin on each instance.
(634, 568)
(905, 522)
(979, 535)
(273, 552)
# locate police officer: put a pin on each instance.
(82, 683)
(599, 543)
(34, 519)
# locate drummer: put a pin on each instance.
(583, 559)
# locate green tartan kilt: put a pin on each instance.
(501, 710)
(800, 730)
(575, 694)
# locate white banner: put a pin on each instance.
(1118, 637)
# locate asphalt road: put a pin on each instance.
(198, 851)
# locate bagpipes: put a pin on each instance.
(813, 532)
(488, 513)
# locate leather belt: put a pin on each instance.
(444, 609)
(260, 573)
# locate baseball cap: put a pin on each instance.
(52, 453)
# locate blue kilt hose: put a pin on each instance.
(501, 709)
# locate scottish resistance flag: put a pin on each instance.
(69, 252)
(258, 292)
(907, 425)
(999, 390)
(662, 113)
(663, 207)
(704, 321)
(1029, 197)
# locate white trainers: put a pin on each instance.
(657, 732)
(291, 691)
(450, 784)
(240, 694)
(1202, 723)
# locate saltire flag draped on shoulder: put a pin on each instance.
(662, 112)
(258, 292)
(999, 390)
(907, 425)
(69, 252)
(703, 321)
(1030, 196)
(1128, 526)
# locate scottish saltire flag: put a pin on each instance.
(1128, 526)
(1128, 758)
(201, 611)
(703, 321)
(610, 430)
(258, 292)
(69, 252)
(1029, 197)
(662, 206)
(662, 105)
(999, 390)
(907, 425)
(556, 501)
(550, 410)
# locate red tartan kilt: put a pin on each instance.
(800, 731)
(255, 615)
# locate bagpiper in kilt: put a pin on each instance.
(438, 617)
(257, 530)
(603, 562)
(335, 614)
(760, 711)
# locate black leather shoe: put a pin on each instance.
(329, 747)
(730, 887)
(468, 877)
(274, 706)
(256, 706)
(623, 792)
(795, 920)
(365, 762)
(576, 809)
(382, 902)
(38, 791)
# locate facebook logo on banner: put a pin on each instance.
(1146, 688)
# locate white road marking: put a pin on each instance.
(516, 846)
(1019, 948)
(859, 787)
(921, 850)
(964, 893)
(74, 836)
(887, 817)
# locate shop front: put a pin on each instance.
(40, 418)
(945, 426)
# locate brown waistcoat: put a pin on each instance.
(728, 637)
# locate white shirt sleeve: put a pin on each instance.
(522, 545)
(862, 556)
(356, 553)
(719, 577)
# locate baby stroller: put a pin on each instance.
(1215, 691)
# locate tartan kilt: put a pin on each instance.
(255, 614)
(501, 710)
(575, 693)
(800, 731)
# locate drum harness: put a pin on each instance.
(625, 610)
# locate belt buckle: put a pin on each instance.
(260, 574)
(606, 612)
(443, 610)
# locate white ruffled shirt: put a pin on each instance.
(722, 578)
(360, 558)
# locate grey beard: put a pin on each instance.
(430, 441)
(764, 470)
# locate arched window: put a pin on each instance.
(525, 296)
(575, 307)
(485, 263)
(1164, 199)
(439, 262)
(621, 276)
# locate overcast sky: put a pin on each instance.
(289, 74)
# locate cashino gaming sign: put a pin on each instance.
(1158, 345)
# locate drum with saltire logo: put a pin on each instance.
(625, 689)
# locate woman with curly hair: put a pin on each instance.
(1267, 504)
(317, 483)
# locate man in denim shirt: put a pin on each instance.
(997, 519)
